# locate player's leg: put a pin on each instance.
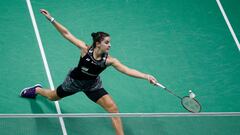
(109, 105)
(101, 97)
(48, 93)
(32, 92)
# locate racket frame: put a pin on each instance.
(195, 101)
(181, 98)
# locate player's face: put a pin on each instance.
(105, 44)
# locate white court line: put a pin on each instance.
(45, 63)
(228, 24)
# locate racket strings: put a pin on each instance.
(191, 104)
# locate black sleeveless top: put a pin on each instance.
(88, 68)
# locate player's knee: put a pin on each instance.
(53, 96)
(113, 108)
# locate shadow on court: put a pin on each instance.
(44, 126)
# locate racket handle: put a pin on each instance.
(160, 85)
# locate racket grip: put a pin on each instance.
(160, 85)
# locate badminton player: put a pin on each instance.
(85, 76)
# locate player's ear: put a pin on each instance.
(97, 44)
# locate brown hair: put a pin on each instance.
(98, 37)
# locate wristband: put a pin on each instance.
(52, 19)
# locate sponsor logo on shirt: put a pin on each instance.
(84, 69)
(87, 59)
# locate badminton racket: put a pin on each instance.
(188, 102)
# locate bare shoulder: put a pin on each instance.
(111, 60)
(84, 50)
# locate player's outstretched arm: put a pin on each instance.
(64, 31)
(130, 72)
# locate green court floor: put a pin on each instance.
(184, 44)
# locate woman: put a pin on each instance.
(85, 77)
